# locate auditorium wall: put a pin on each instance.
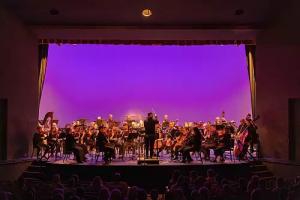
(278, 79)
(18, 82)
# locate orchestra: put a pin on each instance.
(145, 138)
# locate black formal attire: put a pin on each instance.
(149, 125)
(174, 133)
(223, 143)
(210, 143)
(37, 143)
(101, 143)
(53, 145)
(252, 137)
(165, 124)
(193, 143)
(70, 146)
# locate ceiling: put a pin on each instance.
(200, 13)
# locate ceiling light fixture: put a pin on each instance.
(146, 12)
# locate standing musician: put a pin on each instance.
(223, 119)
(252, 134)
(246, 136)
(149, 125)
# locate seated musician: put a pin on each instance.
(56, 144)
(130, 140)
(37, 141)
(165, 123)
(70, 146)
(174, 132)
(51, 144)
(193, 143)
(222, 143)
(116, 139)
(110, 122)
(179, 140)
(210, 136)
(102, 143)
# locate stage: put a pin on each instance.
(145, 175)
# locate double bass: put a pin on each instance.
(240, 138)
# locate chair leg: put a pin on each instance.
(96, 157)
(231, 157)
(200, 157)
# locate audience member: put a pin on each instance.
(191, 187)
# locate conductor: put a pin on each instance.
(149, 125)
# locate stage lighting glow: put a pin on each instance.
(188, 83)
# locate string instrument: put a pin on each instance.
(180, 140)
(47, 121)
(188, 140)
(169, 142)
(46, 125)
(241, 137)
(159, 142)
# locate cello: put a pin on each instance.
(242, 134)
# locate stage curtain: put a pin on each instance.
(149, 42)
(250, 52)
(43, 55)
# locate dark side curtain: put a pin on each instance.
(43, 55)
(250, 52)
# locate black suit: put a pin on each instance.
(149, 125)
(37, 143)
(70, 146)
(193, 143)
(101, 143)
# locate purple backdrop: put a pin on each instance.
(189, 83)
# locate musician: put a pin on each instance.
(55, 133)
(179, 142)
(37, 141)
(102, 145)
(117, 139)
(174, 132)
(223, 119)
(193, 143)
(241, 147)
(110, 121)
(252, 134)
(70, 145)
(165, 123)
(149, 125)
(51, 144)
(219, 123)
(242, 126)
(222, 142)
(210, 135)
